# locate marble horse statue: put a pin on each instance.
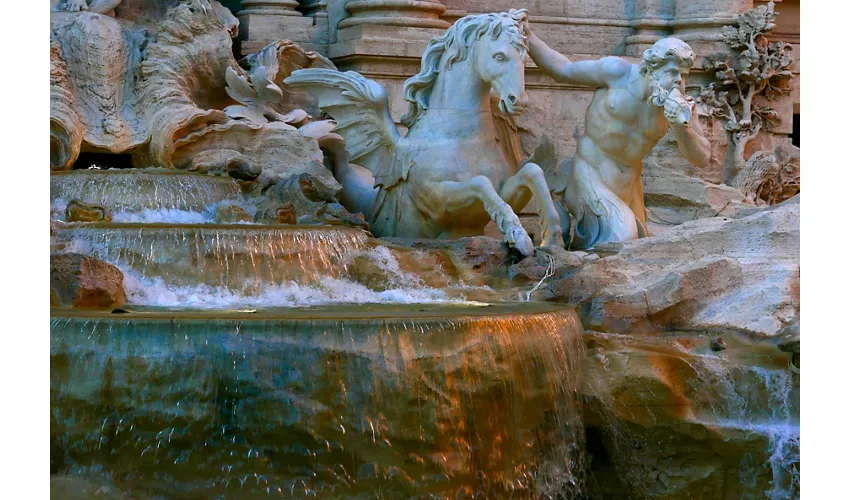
(448, 176)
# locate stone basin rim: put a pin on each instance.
(210, 226)
(153, 171)
(335, 312)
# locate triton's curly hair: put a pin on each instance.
(454, 46)
(667, 49)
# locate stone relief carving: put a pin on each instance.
(770, 177)
(158, 81)
(448, 176)
(753, 68)
(631, 110)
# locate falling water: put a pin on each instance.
(691, 413)
(139, 190)
(762, 403)
(227, 256)
(393, 401)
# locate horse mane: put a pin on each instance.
(453, 46)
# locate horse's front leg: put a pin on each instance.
(530, 182)
(458, 197)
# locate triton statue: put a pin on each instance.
(631, 110)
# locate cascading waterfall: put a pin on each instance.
(226, 266)
(762, 402)
(390, 400)
(218, 255)
(679, 397)
(316, 361)
(136, 190)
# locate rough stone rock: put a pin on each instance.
(478, 253)
(313, 200)
(229, 214)
(770, 177)
(718, 274)
(276, 149)
(137, 80)
(672, 198)
(668, 418)
(80, 281)
(666, 153)
(286, 214)
(77, 211)
(226, 161)
(547, 262)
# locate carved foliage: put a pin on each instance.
(753, 67)
(260, 90)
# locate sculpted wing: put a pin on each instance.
(362, 112)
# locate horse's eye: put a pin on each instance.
(499, 56)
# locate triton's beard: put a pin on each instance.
(659, 94)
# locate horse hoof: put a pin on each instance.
(519, 239)
(555, 239)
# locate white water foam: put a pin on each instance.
(154, 292)
(163, 215)
(402, 288)
(774, 418)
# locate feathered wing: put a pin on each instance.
(362, 111)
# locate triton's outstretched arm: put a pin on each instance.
(596, 74)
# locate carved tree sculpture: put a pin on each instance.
(754, 67)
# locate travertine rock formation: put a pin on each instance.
(770, 178)
(717, 274)
(672, 198)
(668, 417)
(76, 211)
(81, 281)
(311, 199)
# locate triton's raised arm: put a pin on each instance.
(597, 73)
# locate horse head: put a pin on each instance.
(494, 44)
(500, 61)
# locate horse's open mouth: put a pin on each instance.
(510, 109)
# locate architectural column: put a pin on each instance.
(650, 22)
(262, 22)
(314, 8)
(700, 24)
(384, 39)
(318, 10)
(391, 31)
(407, 13)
